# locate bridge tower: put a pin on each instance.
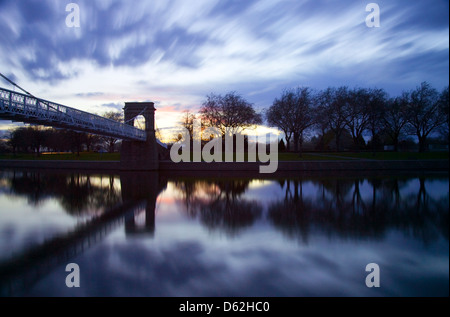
(140, 155)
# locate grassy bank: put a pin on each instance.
(85, 156)
(395, 155)
(335, 156)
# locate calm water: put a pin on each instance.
(151, 234)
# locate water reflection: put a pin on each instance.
(219, 204)
(338, 208)
(108, 204)
(78, 194)
(252, 212)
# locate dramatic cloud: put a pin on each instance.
(176, 52)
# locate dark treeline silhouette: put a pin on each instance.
(36, 139)
(337, 118)
(337, 207)
(333, 119)
(343, 113)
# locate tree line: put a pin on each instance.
(335, 113)
(35, 139)
(325, 116)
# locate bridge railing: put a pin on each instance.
(34, 110)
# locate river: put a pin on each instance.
(162, 235)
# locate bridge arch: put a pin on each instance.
(138, 155)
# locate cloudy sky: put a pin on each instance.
(176, 52)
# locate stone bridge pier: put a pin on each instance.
(143, 187)
(139, 155)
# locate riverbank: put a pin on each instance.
(283, 166)
(282, 156)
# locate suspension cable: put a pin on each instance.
(28, 93)
(15, 85)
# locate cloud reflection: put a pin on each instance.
(298, 236)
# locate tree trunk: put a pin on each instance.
(338, 137)
(296, 139)
(395, 140)
(288, 144)
(300, 153)
(374, 146)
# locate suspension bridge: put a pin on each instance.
(140, 148)
(23, 108)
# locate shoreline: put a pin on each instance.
(239, 167)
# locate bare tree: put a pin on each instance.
(443, 109)
(333, 104)
(292, 114)
(303, 117)
(320, 123)
(424, 116)
(187, 122)
(110, 141)
(395, 117)
(230, 112)
(375, 108)
(18, 140)
(280, 116)
(91, 141)
(24, 139)
(357, 117)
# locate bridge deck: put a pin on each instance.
(23, 108)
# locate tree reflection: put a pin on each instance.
(423, 217)
(294, 213)
(219, 204)
(338, 207)
(346, 207)
(77, 193)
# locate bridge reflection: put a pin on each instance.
(141, 187)
(356, 207)
(138, 194)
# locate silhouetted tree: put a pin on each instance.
(27, 139)
(17, 139)
(395, 117)
(187, 122)
(321, 124)
(38, 136)
(110, 142)
(303, 117)
(443, 110)
(332, 105)
(375, 109)
(76, 141)
(230, 112)
(91, 141)
(280, 115)
(424, 116)
(281, 146)
(292, 113)
(357, 116)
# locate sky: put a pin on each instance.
(176, 52)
